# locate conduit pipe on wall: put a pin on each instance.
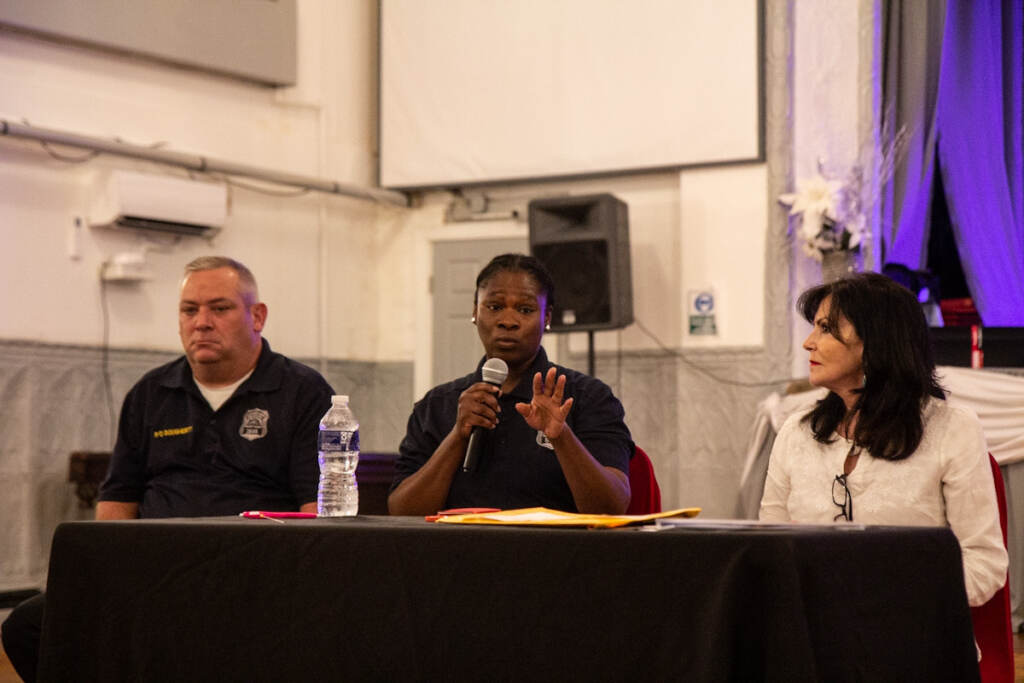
(198, 163)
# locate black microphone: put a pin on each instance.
(495, 371)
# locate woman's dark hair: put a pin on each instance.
(518, 263)
(899, 369)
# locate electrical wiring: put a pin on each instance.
(707, 373)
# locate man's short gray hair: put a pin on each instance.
(248, 288)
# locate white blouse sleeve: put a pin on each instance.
(775, 499)
(971, 508)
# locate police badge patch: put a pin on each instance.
(254, 424)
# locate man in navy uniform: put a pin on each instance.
(228, 427)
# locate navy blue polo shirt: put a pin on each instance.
(177, 457)
(515, 470)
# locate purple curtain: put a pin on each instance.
(975, 127)
(978, 117)
(912, 52)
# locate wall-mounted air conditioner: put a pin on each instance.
(143, 201)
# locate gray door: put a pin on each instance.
(457, 347)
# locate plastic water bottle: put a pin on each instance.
(338, 443)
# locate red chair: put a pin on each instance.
(646, 494)
(959, 312)
(992, 629)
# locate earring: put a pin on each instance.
(547, 328)
(473, 320)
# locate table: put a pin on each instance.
(398, 599)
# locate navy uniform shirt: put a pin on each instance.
(177, 457)
(515, 470)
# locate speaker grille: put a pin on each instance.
(582, 296)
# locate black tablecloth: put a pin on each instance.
(395, 599)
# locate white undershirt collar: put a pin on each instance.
(216, 396)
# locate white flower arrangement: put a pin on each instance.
(830, 213)
(834, 214)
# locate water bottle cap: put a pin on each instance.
(339, 399)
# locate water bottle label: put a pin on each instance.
(335, 440)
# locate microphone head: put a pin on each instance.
(495, 371)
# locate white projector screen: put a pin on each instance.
(479, 91)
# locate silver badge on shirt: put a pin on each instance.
(254, 424)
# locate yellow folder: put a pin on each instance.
(545, 517)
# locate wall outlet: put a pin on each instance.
(126, 267)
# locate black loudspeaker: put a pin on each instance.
(584, 243)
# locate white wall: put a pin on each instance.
(724, 224)
(308, 252)
(833, 99)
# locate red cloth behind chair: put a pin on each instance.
(646, 494)
(959, 312)
(992, 629)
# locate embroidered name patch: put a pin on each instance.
(177, 431)
(254, 424)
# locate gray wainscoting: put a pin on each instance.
(55, 401)
(692, 414)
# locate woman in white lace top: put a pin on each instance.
(884, 446)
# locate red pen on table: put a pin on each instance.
(460, 511)
(276, 516)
